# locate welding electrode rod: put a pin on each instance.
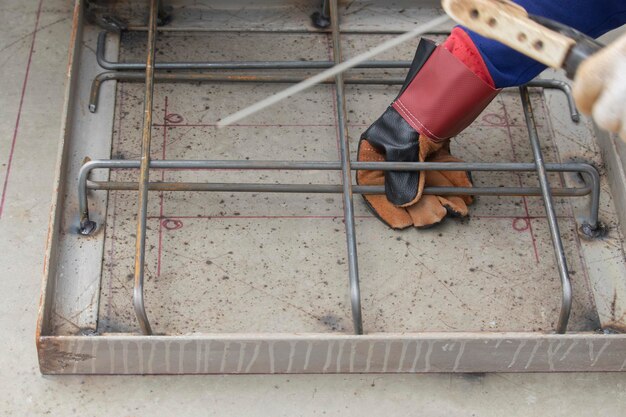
(339, 68)
(144, 173)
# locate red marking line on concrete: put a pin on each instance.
(114, 216)
(530, 226)
(242, 125)
(19, 110)
(206, 217)
(160, 249)
(363, 125)
(330, 216)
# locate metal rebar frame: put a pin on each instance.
(127, 71)
(130, 72)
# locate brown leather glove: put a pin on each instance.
(429, 210)
(441, 96)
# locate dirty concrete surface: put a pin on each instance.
(33, 51)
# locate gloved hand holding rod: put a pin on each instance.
(449, 85)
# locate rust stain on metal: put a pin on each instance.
(616, 327)
(53, 359)
(243, 77)
(616, 324)
(73, 35)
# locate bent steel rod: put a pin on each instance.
(306, 31)
(329, 188)
(565, 88)
(134, 76)
(216, 78)
(144, 173)
(182, 164)
(229, 65)
(346, 179)
(589, 174)
(566, 297)
(109, 65)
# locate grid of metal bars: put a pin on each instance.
(131, 72)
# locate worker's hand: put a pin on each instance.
(429, 210)
(600, 87)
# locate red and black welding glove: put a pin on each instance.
(446, 88)
(429, 210)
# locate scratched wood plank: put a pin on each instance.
(323, 353)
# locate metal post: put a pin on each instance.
(566, 285)
(144, 173)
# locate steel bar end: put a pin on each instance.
(590, 232)
(87, 227)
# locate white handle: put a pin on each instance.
(509, 24)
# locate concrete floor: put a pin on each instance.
(33, 49)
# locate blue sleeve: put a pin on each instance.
(593, 17)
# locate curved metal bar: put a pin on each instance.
(593, 228)
(183, 164)
(592, 179)
(217, 78)
(566, 285)
(591, 176)
(327, 188)
(94, 94)
(305, 31)
(133, 76)
(144, 175)
(229, 65)
(565, 88)
(346, 175)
